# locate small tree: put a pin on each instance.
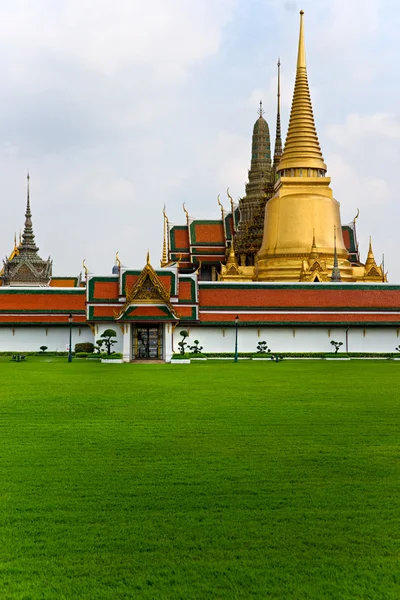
(98, 347)
(182, 344)
(108, 341)
(196, 349)
(262, 348)
(337, 345)
(397, 349)
(43, 348)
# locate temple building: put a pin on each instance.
(279, 265)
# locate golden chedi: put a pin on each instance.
(302, 228)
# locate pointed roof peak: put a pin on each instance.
(261, 111)
(370, 256)
(28, 237)
(302, 149)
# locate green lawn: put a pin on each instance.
(204, 481)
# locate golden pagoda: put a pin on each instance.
(302, 219)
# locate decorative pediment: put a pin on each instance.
(23, 270)
(314, 271)
(316, 266)
(148, 289)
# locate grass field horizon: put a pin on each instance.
(206, 481)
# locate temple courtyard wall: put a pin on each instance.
(293, 339)
(28, 338)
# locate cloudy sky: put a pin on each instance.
(117, 107)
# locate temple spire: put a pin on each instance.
(302, 149)
(278, 138)
(314, 251)
(335, 271)
(28, 237)
(370, 262)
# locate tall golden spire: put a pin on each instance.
(302, 149)
(278, 138)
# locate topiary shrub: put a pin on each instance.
(81, 354)
(337, 345)
(182, 344)
(262, 348)
(43, 348)
(196, 349)
(107, 338)
(84, 347)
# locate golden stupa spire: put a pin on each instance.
(302, 149)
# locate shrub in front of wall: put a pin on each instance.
(113, 356)
(87, 347)
(180, 356)
(81, 354)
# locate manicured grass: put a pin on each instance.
(203, 481)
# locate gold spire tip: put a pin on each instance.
(301, 56)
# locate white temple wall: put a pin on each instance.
(30, 338)
(292, 339)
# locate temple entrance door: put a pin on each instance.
(147, 342)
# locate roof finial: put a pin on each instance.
(232, 210)
(148, 257)
(261, 111)
(117, 261)
(186, 213)
(27, 192)
(164, 259)
(301, 56)
(335, 271)
(221, 207)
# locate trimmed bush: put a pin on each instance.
(113, 356)
(81, 354)
(87, 347)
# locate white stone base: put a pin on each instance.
(109, 361)
(183, 361)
